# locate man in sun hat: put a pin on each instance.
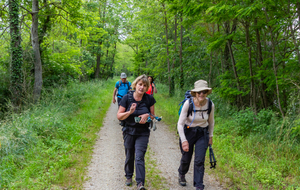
(122, 87)
(195, 130)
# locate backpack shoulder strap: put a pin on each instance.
(147, 102)
(128, 84)
(191, 106)
(130, 97)
(209, 106)
(119, 84)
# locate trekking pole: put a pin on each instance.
(212, 158)
(153, 122)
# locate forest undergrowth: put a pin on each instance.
(253, 151)
(48, 145)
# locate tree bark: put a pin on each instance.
(210, 69)
(113, 60)
(293, 33)
(98, 62)
(298, 11)
(167, 48)
(38, 78)
(180, 54)
(240, 102)
(274, 64)
(226, 49)
(16, 53)
(252, 88)
(172, 90)
(260, 61)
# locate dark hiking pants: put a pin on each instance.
(135, 150)
(197, 137)
(119, 100)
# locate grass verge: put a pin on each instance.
(49, 145)
(153, 175)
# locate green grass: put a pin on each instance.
(250, 155)
(49, 145)
(153, 180)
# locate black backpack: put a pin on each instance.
(188, 96)
(131, 100)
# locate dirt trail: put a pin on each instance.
(106, 170)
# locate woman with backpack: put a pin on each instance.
(195, 128)
(135, 108)
(152, 88)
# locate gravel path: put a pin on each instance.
(106, 170)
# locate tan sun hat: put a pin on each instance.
(200, 85)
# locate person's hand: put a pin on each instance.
(114, 100)
(132, 108)
(210, 141)
(185, 146)
(144, 118)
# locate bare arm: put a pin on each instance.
(154, 88)
(123, 114)
(114, 95)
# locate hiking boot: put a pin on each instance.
(141, 186)
(128, 182)
(181, 180)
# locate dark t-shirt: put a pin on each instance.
(142, 107)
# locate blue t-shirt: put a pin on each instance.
(123, 88)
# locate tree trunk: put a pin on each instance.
(180, 55)
(293, 34)
(38, 78)
(274, 63)
(167, 48)
(275, 72)
(172, 90)
(16, 52)
(210, 69)
(252, 88)
(45, 24)
(259, 61)
(240, 102)
(298, 11)
(113, 61)
(226, 49)
(98, 64)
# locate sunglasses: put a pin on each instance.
(203, 92)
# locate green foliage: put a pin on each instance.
(38, 145)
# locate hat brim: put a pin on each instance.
(201, 89)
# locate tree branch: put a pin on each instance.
(25, 9)
(4, 31)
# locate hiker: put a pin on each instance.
(135, 108)
(152, 88)
(122, 86)
(195, 131)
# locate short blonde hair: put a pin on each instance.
(142, 78)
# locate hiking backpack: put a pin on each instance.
(188, 96)
(130, 100)
(120, 82)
